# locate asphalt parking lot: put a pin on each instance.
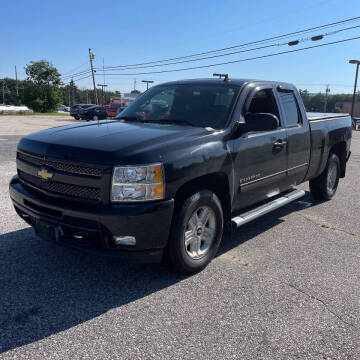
(286, 286)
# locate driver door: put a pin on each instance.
(259, 158)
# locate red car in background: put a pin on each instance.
(113, 106)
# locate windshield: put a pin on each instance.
(202, 105)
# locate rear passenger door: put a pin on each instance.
(298, 134)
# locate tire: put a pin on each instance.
(95, 118)
(77, 117)
(324, 186)
(199, 223)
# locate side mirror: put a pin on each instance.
(259, 122)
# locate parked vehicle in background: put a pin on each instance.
(64, 108)
(93, 113)
(120, 109)
(184, 163)
(356, 123)
(114, 105)
(74, 110)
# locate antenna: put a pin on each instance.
(225, 76)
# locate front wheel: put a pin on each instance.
(95, 117)
(324, 186)
(196, 232)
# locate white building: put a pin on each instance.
(128, 98)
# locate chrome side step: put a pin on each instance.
(264, 209)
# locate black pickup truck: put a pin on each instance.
(186, 162)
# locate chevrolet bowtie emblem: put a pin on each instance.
(44, 174)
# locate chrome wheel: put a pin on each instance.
(332, 177)
(200, 232)
(95, 118)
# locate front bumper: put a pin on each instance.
(92, 230)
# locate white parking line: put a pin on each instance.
(3, 139)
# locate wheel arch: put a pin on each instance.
(216, 182)
(340, 150)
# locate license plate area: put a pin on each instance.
(48, 231)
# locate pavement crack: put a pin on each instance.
(242, 261)
(315, 221)
(311, 296)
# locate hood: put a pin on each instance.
(107, 142)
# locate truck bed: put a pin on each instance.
(326, 129)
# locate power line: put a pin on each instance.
(76, 74)
(85, 77)
(267, 40)
(318, 37)
(240, 60)
(244, 44)
(77, 67)
(135, 66)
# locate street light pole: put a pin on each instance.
(102, 92)
(147, 83)
(357, 63)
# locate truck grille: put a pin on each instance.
(76, 191)
(62, 166)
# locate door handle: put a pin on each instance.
(280, 143)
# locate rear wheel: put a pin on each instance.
(324, 186)
(77, 117)
(196, 232)
(95, 117)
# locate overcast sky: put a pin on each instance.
(131, 32)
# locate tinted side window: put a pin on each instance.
(264, 102)
(291, 108)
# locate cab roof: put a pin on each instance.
(230, 81)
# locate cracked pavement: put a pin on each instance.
(286, 286)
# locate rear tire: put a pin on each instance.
(95, 118)
(196, 233)
(77, 117)
(324, 186)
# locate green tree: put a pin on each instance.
(41, 88)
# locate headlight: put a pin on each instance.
(137, 183)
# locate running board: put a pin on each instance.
(264, 209)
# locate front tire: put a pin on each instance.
(196, 233)
(324, 186)
(95, 117)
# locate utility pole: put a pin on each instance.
(134, 84)
(102, 91)
(102, 85)
(357, 63)
(91, 56)
(17, 85)
(72, 91)
(3, 91)
(327, 91)
(147, 83)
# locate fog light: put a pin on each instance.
(124, 240)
